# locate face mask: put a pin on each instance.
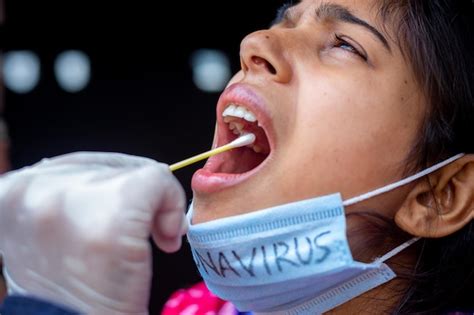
(293, 258)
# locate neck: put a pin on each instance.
(380, 300)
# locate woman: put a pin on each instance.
(344, 96)
(351, 96)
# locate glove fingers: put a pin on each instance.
(160, 197)
(170, 223)
(169, 244)
(98, 158)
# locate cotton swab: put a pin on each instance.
(242, 141)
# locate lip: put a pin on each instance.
(204, 180)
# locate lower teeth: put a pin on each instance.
(237, 128)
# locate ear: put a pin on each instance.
(441, 203)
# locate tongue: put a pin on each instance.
(245, 159)
(241, 160)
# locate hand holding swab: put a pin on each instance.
(242, 141)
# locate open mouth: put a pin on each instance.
(240, 110)
(236, 121)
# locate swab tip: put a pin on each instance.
(244, 140)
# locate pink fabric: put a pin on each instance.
(197, 300)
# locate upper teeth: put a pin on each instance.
(237, 127)
(239, 111)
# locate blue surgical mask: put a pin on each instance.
(292, 258)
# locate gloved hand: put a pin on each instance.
(74, 229)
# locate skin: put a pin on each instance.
(343, 124)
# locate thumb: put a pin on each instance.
(155, 190)
(170, 223)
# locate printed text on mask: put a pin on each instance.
(276, 257)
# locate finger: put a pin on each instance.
(155, 190)
(170, 224)
(162, 238)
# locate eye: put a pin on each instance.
(343, 42)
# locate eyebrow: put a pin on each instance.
(338, 12)
(330, 11)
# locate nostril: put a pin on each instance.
(260, 61)
(271, 68)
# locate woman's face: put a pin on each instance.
(337, 105)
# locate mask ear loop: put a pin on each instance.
(393, 186)
(402, 182)
(380, 191)
(397, 250)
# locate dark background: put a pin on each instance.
(141, 99)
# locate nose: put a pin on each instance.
(262, 53)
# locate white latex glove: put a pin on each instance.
(75, 229)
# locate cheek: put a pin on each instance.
(341, 113)
(357, 113)
(349, 138)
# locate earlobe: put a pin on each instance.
(441, 203)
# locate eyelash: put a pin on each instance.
(340, 41)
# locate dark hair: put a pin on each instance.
(436, 38)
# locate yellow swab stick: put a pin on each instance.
(244, 140)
